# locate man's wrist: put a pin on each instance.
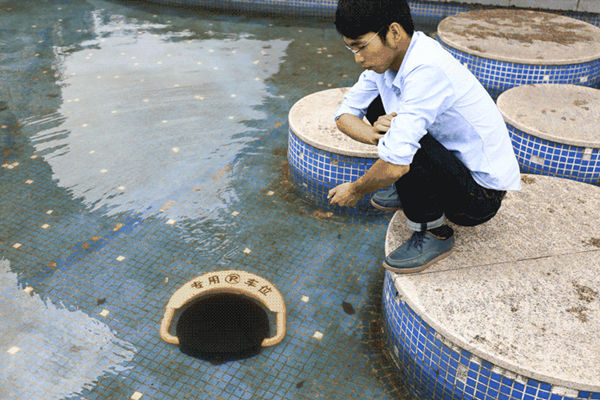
(356, 189)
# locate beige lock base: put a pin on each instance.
(230, 281)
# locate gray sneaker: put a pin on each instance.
(386, 200)
(419, 252)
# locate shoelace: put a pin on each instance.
(416, 240)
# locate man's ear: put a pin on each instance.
(396, 34)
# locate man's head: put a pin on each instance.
(378, 32)
(354, 18)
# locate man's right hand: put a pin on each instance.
(384, 122)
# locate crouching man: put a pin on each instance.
(441, 140)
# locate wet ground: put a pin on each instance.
(142, 146)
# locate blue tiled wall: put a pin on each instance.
(498, 76)
(544, 157)
(314, 172)
(430, 12)
(436, 369)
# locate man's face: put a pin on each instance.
(372, 53)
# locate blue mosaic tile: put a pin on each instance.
(498, 76)
(430, 377)
(540, 156)
(314, 172)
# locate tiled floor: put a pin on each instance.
(140, 147)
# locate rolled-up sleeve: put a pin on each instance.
(417, 108)
(359, 97)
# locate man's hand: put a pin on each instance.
(344, 195)
(383, 122)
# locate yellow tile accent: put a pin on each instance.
(16, 245)
(13, 350)
(104, 313)
(136, 396)
(305, 299)
(120, 258)
(318, 335)
(247, 251)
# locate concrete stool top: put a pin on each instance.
(312, 119)
(522, 290)
(522, 36)
(567, 114)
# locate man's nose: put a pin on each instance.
(358, 58)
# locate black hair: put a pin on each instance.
(354, 18)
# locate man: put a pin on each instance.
(441, 139)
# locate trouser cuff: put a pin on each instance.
(424, 226)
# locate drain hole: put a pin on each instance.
(222, 327)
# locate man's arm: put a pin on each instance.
(359, 130)
(380, 175)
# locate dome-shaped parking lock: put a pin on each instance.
(219, 317)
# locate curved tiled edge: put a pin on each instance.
(435, 368)
(543, 157)
(314, 172)
(430, 12)
(499, 76)
(309, 8)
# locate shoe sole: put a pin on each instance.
(416, 269)
(383, 208)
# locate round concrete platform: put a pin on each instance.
(554, 129)
(311, 120)
(561, 113)
(522, 36)
(320, 156)
(505, 48)
(520, 293)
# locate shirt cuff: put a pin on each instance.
(402, 154)
(344, 109)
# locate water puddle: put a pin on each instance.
(148, 112)
(68, 349)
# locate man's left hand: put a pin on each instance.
(344, 195)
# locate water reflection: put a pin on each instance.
(68, 350)
(147, 113)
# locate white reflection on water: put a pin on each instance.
(147, 116)
(65, 350)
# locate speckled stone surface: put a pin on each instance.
(522, 36)
(521, 291)
(311, 119)
(561, 113)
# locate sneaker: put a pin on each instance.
(419, 252)
(386, 200)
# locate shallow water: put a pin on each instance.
(142, 146)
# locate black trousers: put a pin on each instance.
(439, 184)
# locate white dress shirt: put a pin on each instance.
(433, 92)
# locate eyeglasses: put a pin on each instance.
(362, 46)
